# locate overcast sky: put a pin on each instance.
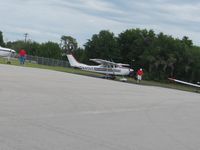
(48, 20)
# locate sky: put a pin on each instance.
(48, 20)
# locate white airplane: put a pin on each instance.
(7, 53)
(187, 83)
(105, 67)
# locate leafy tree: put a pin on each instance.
(133, 43)
(68, 43)
(80, 54)
(1, 40)
(49, 50)
(29, 46)
(33, 48)
(17, 45)
(187, 41)
(103, 45)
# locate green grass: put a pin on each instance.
(93, 74)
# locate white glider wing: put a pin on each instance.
(183, 82)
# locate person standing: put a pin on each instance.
(139, 75)
(22, 55)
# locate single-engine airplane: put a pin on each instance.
(187, 83)
(7, 53)
(106, 67)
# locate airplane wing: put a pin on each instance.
(124, 65)
(103, 62)
(106, 62)
(183, 82)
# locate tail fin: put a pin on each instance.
(73, 62)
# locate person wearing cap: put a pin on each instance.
(139, 75)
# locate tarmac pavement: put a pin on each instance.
(49, 110)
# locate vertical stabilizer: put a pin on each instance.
(73, 62)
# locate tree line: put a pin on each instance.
(160, 55)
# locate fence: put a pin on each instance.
(47, 61)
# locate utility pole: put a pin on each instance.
(25, 35)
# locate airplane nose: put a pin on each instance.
(13, 51)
